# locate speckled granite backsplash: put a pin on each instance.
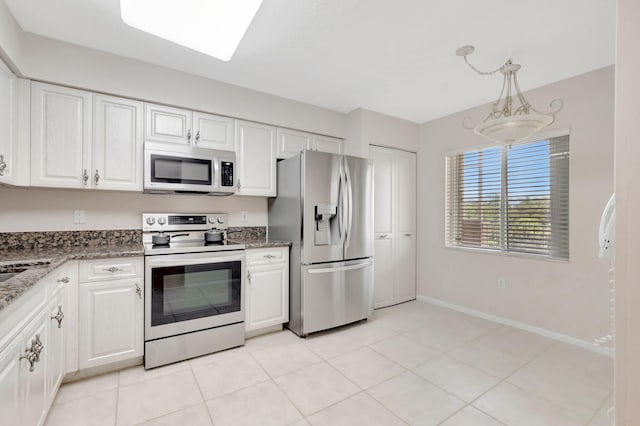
(53, 239)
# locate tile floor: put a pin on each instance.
(413, 363)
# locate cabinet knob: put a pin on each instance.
(189, 135)
(138, 291)
(64, 280)
(59, 316)
(96, 177)
(198, 136)
(85, 177)
(112, 269)
(3, 165)
(269, 256)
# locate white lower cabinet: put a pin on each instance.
(34, 377)
(267, 301)
(110, 315)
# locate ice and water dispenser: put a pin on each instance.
(326, 215)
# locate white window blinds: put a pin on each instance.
(511, 199)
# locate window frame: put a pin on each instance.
(502, 251)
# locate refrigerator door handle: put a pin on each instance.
(349, 203)
(340, 268)
(341, 218)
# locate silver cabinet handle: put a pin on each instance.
(138, 291)
(32, 354)
(382, 237)
(85, 177)
(59, 316)
(407, 235)
(249, 276)
(3, 165)
(37, 347)
(198, 136)
(64, 280)
(96, 177)
(238, 184)
(269, 256)
(112, 269)
(189, 135)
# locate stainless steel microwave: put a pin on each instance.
(183, 169)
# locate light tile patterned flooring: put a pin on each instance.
(413, 363)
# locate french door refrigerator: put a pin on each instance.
(325, 208)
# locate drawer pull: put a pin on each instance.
(113, 269)
(269, 256)
(59, 316)
(64, 280)
(33, 353)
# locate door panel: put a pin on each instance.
(383, 207)
(383, 271)
(55, 354)
(268, 295)
(404, 267)
(359, 240)
(405, 179)
(10, 381)
(117, 144)
(167, 124)
(333, 294)
(327, 144)
(213, 132)
(8, 123)
(291, 142)
(35, 381)
(321, 189)
(256, 159)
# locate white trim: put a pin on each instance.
(590, 346)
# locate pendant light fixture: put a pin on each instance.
(512, 118)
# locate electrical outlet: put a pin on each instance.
(502, 283)
(244, 216)
(79, 216)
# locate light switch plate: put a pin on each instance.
(79, 216)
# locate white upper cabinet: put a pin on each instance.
(213, 131)
(256, 159)
(167, 124)
(117, 144)
(327, 144)
(291, 142)
(8, 124)
(60, 136)
(185, 127)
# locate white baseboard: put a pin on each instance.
(537, 330)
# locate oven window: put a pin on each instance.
(182, 293)
(181, 170)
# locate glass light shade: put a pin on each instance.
(512, 129)
(212, 27)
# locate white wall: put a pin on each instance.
(52, 209)
(567, 298)
(627, 263)
(366, 127)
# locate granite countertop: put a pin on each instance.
(260, 243)
(41, 262)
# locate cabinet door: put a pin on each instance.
(291, 142)
(405, 192)
(167, 124)
(8, 124)
(10, 379)
(267, 295)
(111, 327)
(327, 144)
(34, 381)
(117, 144)
(404, 267)
(56, 349)
(256, 157)
(213, 132)
(60, 136)
(383, 191)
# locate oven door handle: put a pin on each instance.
(164, 261)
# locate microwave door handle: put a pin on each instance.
(216, 174)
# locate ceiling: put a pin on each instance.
(394, 57)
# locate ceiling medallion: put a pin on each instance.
(508, 122)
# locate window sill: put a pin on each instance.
(529, 256)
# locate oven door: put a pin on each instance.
(191, 292)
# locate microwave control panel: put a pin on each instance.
(226, 173)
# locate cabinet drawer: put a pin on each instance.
(111, 269)
(267, 255)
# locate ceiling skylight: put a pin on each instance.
(213, 27)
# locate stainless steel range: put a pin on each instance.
(194, 290)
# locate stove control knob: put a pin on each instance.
(221, 220)
(212, 219)
(150, 221)
(162, 221)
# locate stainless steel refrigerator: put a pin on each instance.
(325, 208)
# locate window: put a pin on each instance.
(510, 199)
